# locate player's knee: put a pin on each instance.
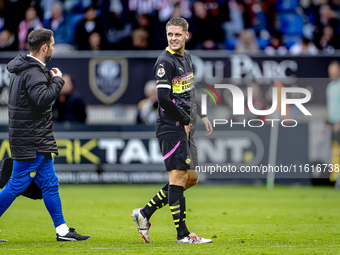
(184, 178)
(191, 182)
(181, 180)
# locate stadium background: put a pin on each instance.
(230, 41)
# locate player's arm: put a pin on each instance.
(205, 120)
(40, 92)
(163, 76)
(169, 107)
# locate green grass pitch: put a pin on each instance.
(239, 219)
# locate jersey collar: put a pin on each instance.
(171, 51)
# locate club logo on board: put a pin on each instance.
(108, 78)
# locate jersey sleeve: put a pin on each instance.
(163, 74)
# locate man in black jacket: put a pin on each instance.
(33, 88)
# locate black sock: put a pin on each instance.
(177, 207)
(157, 202)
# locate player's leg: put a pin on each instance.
(192, 174)
(192, 179)
(178, 180)
(20, 179)
(47, 181)
(168, 144)
(160, 199)
(142, 215)
(157, 202)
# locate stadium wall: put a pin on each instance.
(112, 84)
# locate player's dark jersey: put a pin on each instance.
(175, 72)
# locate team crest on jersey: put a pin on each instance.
(160, 72)
(108, 78)
(188, 161)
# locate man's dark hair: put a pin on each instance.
(38, 38)
(178, 21)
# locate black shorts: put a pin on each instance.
(178, 152)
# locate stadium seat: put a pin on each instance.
(290, 23)
(230, 44)
(286, 5)
(289, 41)
(262, 43)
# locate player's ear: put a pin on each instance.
(187, 35)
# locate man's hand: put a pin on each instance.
(187, 130)
(56, 72)
(208, 126)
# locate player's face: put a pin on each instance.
(50, 50)
(176, 39)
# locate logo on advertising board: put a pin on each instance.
(108, 78)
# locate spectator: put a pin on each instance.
(67, 106)
(247, 42)
(96, 42)
(61, 27)
(15, 11)
(118, 24)
(85, 27)
(167, 8)
(329, 41)
(235, 24)
(148, 107)
(206, 32)
(69, 6)
(305, 47)
(327, 18)
(144, 7)
(30, 23)
(8, 41)
(140, 39)
(146, 23)
(258, 19)
(276, 46)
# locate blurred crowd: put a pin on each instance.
(276, 26)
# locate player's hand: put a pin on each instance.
(56, 72)
(207, 125)
(187, 130)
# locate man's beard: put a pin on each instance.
(48, 57)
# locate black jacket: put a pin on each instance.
(32, 92)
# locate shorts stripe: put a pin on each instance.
(172, 151)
